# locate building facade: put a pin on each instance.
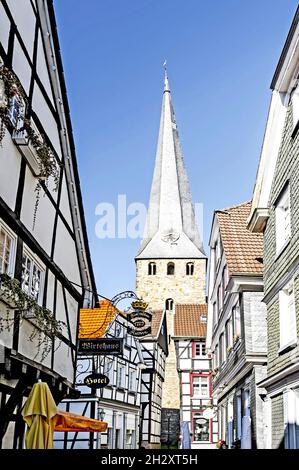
(171, 263)
(45, 268)
(275, 214)
(194, 368)
(118, 403)
(154, 353)
(237, 329)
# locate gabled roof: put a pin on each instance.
(94, 322)
(243, 249)
(188, 322)
(156, 324)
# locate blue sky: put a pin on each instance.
(221, 57)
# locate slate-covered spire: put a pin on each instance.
(170, 230)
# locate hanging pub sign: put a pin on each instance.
(96, 380)
(140, 319)
(101, 346)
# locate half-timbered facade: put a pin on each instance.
(118, 403)
(154, 352)
(194, 367)
(237, 330)
(45, 267)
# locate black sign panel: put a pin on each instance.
(141, 322)
(96, 380)
(101, 346)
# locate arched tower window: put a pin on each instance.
(170, 269)
(190, 269)
(169, 304)
(152, 269)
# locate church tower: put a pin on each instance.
(170, 263)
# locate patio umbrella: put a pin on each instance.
(43, 418)
(39, 413)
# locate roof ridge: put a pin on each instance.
(233, 207)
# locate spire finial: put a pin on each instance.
(166, 84)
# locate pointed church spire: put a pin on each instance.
(170, 230)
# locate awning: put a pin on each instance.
(71, 422)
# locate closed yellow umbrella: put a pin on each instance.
(39, 412)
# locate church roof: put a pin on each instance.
(170, 230)
(188, 320)
(243, 249)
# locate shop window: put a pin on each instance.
(200, 428)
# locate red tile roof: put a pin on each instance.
(187, 320)
(243, 249)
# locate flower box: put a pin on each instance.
(20, 138)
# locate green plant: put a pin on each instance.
(12, 87)
(48, 166)
(47, 328)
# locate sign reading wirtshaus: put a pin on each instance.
(101, 346)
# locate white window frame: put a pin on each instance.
(197, 388)
(283, 227)
(132, 385)
(121, 377)
(200, 344)
(108, 369)
(35, 261)
(287, 316)
(12, 254)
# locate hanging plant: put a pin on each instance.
(10, 116)
(47, 328)
(10, 89)
(48, 166)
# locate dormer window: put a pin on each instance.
(169, 304)
(152, 269)
(189, 269)
(170, 269)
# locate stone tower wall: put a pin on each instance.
(179, 287)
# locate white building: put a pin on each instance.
(194, 367)
(237, 328)
(49, 256)
(118, 403)
(154, 352)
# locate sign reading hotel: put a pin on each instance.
(96, 380)
(101, 346)
(140, 319)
